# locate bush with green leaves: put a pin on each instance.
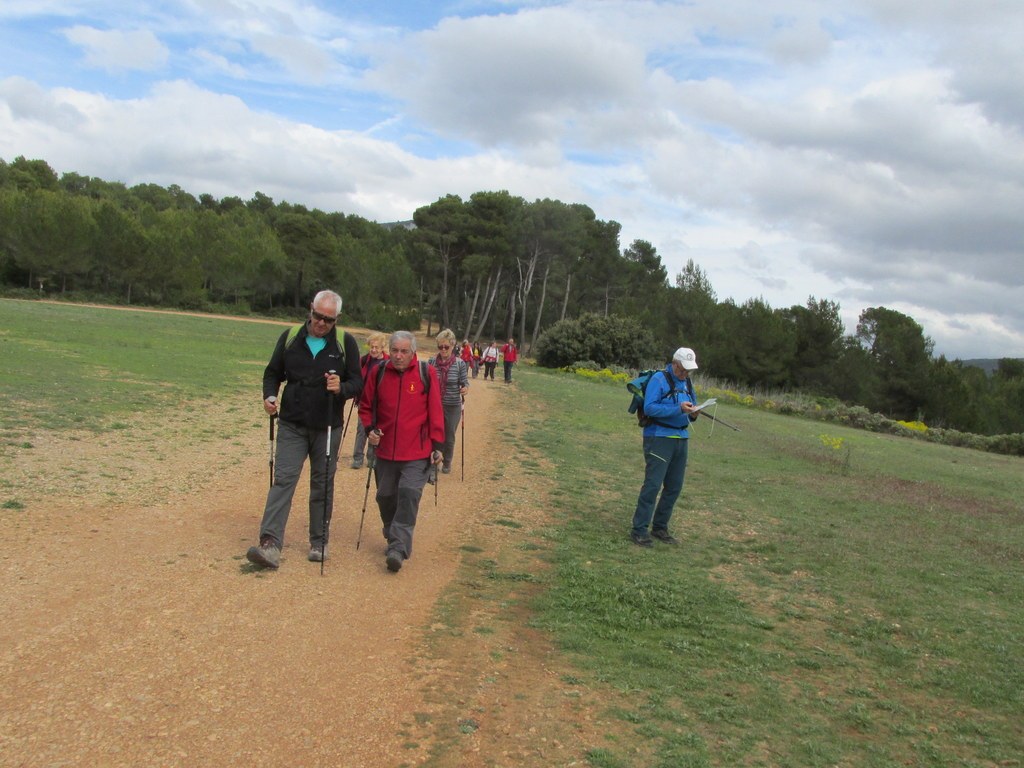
(607, 341)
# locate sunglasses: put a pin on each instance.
(444, 346)
(322, 318)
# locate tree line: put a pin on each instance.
(491, 266)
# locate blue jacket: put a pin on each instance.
(660, 405)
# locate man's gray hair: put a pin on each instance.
(405, 336)
(329, 296)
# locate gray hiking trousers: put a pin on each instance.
(399, 488)
(296, 443)
(452, 417)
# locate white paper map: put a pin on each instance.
(704, 405)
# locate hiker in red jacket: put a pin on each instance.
(509, 356)
(400, 410)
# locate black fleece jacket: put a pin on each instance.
(305, 396)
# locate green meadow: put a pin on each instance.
(67, 366)
(839, 598)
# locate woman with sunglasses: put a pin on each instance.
(453, 377)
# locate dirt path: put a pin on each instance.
(133, 632)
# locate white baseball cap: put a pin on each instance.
(686, 358)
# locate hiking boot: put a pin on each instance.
(395, 560)
(357, 463)
(663, 535)
(447, 469)
(641, 539)
(266, 555)
(317, 554)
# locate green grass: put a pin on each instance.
(872, 616)
(73, 367)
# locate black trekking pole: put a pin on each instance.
(718, 420)
(371, 462)
(432, 476)
(463, 440)
(344, 430)
(327, 474)
(272, 417)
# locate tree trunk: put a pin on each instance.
(540, 310)
(525, 286)
(472, 308)
(565, 300)
(522, 326)
(489, 303)
(445, 259)
(510, 318)
(298, 288)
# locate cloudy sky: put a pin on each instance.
(865, 151)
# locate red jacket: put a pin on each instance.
(412, 423)
(509, 353)
(467, 353)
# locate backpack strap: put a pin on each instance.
(425, 376)
(687, 389)
(293, 334)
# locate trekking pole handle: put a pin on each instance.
(327, 383)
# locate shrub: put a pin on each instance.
(613, 340)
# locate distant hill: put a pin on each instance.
(988, 365)
(409, 224)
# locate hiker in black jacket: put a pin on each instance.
(304, 358)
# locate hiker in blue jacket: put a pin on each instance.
(669, 403)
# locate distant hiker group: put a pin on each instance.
(409, 412)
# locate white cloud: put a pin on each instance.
(116, 49)
(510, 80)
(29, 104)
